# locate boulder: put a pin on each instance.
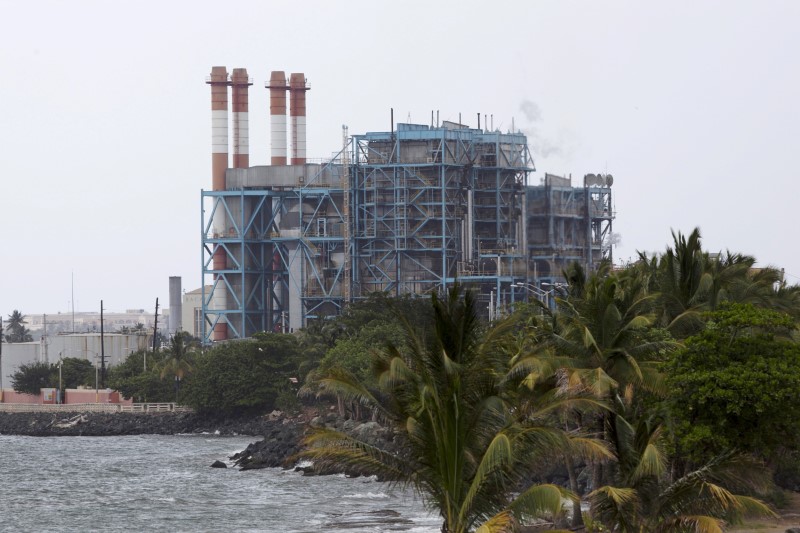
(218, 464)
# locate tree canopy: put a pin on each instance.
(241, 376)
(75, 372)
(15, 328)
(445, 395)
(735, 384)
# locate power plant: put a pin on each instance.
(408, 211)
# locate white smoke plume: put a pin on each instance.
(540, 144)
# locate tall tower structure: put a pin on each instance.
(241, 135)
(297, 112)
(277, 116)
(219, 163)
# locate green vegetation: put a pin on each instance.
(737, 382)
(32, 377)
(446, 397)
(132, 381)
(16, 330)
(245, 376)
(663, 393)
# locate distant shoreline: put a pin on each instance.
(117, 424)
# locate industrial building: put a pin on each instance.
(407, 211)
(114, 347)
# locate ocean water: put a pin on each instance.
(165, 483)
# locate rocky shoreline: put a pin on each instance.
(280, 441)
(115, 424)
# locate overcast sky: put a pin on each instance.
(694, 107)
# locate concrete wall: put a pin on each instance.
(12, 396)
(71, 396)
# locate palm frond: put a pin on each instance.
(700, 491)
(615, 506)
(593, 450)
(341, 383)
(326, 447)
(749, 506)
(690, 524)
(539, 500)
(502, 522)
(652, 462)
(498, 456)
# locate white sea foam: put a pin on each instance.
(145, 479)
(367, 496)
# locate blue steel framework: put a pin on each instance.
(435, 204)
(279, 242)
(568, 224)
(428, 206)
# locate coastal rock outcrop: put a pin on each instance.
(279, 448)
(281, 442)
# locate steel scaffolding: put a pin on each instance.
(283, 248)
(409, 211)
(433, 204)
(569, 224)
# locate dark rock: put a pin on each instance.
(218, 464)
(793, 530)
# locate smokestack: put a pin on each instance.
(277, 115)
(219, 163)
(219, 127)
(241, 136)
(297, 111)
(175, 304)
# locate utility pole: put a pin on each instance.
(155, 332)
(44, 338)
(72, 302)
(102, 349)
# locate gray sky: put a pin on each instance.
(105, 138)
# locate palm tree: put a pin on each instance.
(605, 333)
(688, 281)
(597, 341)
(466, 448)
(16, 327)
(683, 284)
(178, 361)
(643, 499)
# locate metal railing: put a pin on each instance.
(94, 408)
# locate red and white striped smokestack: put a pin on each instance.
(219, 126)
(297, 111)
(277, 116)
(219, 163)
(240, 84)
